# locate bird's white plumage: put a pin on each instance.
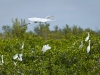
(20, 57)
(22, 45)
(45, 48)
(15, 56)
(88, 47)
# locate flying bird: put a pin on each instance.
(40, 20)
(20, 57)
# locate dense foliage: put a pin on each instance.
(64, 58)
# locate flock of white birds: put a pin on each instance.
(44, 49)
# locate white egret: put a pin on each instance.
(2, 59)
(45, 47)
(88, 47)
(39, 20)
(87, 38)
(15, 63)
(49, 16)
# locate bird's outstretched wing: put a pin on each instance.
(49, 16)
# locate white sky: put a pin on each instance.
(83, 13)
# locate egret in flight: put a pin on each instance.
(40, 20)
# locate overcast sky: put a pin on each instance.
(83, 13)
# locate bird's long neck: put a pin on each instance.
(89, 42)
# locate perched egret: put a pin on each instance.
(81, 45)
(87, 38)
(45, 47)
(88, 47)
